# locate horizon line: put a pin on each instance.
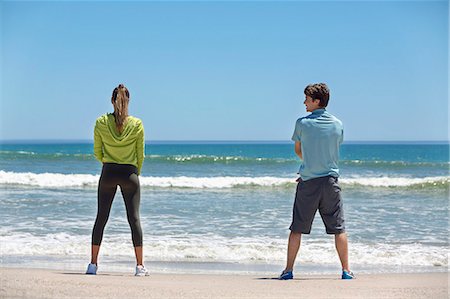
(89, 141)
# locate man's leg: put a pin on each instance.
(293, 247)
(332, 212)
(342, 249)
(305, 207)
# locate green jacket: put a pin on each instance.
(121, 148)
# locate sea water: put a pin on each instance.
(225, 208)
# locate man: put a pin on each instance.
(317, 139)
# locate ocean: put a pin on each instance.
(225, 208)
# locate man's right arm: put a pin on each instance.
(298, 149)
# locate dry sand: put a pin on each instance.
(35, 283)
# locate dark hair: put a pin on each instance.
(120, 98)
(318, 91)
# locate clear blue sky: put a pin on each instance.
(225, 70)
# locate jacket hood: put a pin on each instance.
(130, 126)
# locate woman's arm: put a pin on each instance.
(98, 144)
(140, 147)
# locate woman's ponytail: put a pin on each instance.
(120, 99)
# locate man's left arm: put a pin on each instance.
(298, 149)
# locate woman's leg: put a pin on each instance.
(105, 195)
(132, 197)
(138, 251)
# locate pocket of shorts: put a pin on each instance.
(300, 184)
(334, 183)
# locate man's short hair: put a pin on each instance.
(318, 91)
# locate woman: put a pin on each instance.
(119, 145)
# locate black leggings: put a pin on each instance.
(125, 176)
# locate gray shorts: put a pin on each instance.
(321, 194)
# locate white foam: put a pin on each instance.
(85, 180)
(210, 248)
(57, 180)
(213, 182)
(394, 181)
(47, 179)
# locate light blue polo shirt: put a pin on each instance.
(320, 134)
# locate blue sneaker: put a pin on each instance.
(91, 269)
(286, 275)
(347, 274)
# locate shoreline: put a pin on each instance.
(41, 283)
(126, 264)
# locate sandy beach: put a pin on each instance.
(36, 283)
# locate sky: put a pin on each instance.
(225, 70)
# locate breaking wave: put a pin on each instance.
(57, 180)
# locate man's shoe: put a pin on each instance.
(141, 271)
(347, 274)
(286, 275)
(91, 269)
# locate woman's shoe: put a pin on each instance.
(141, 271)
(91, 269)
